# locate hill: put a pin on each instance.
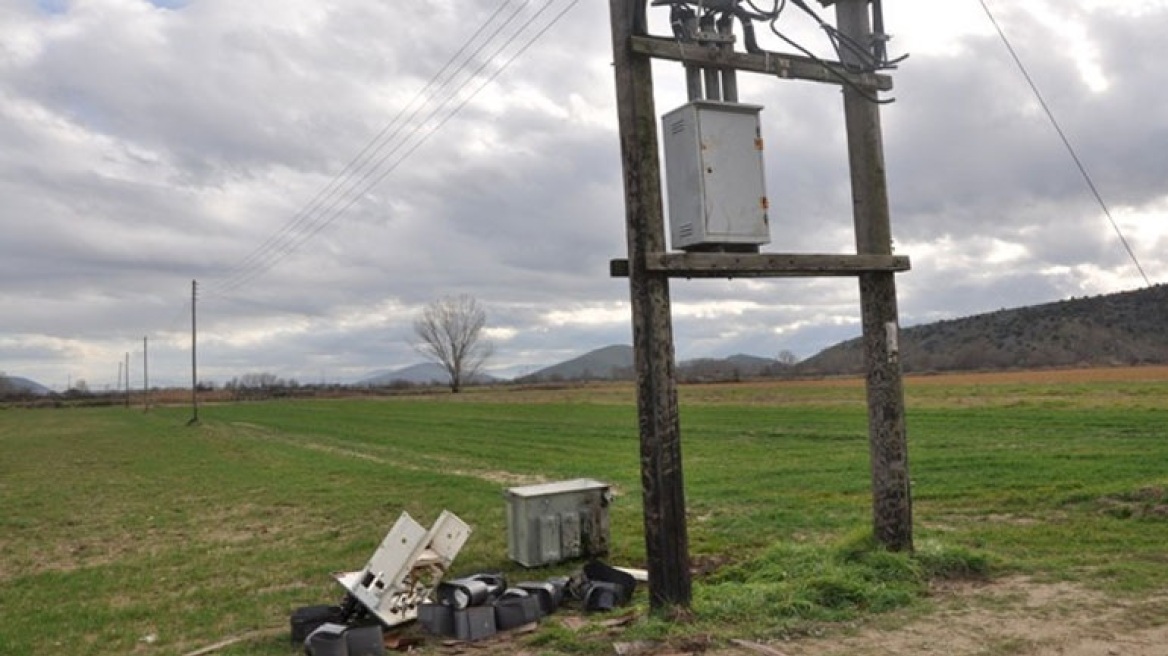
(607, 363)
(735, 367)
(18, 385)
(1125, 328)
(425, 373)
(615, 362)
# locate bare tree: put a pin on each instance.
(450, 332)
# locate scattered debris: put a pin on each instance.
(405, 569)
(622, 620)
(573, 622)
(399, 642)
(602, 587)
(306, 620)
(403, 580)
(758, 647)
(640, 575)
(476, 607)
(634, 648)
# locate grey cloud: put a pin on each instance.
(143, 148)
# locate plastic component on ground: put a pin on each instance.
(406, 568)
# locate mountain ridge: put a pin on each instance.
(1123, 328)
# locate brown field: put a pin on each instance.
(767, 390)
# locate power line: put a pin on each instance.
(280, 240)
(336, 212)
(373, 173)
(358, 176)
(1066, 142)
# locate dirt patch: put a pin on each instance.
(1015, 616)
(1146, 503)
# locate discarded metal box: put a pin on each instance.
(406, 568)
(554, 522)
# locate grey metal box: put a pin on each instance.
(714, 175)
(554, 522)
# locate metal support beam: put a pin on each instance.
(663, 490)
(887, 438)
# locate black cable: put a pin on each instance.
(288, 238)
(768, 15)
(308, 225)
(1067, 143)
(872, 98)
(336, 211)
(837, 38)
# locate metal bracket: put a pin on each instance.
(407, 567)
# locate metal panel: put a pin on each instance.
(447, 536)
(406, 567)
(570, 546)
(549, 538)
(556, 488)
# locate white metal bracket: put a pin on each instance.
(406, 568)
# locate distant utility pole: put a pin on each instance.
(118, 388)
(194, 359)
(145, 378)
(708, 58)
(126, 380)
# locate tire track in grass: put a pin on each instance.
(437, 464)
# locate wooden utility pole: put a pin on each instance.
(127, 380)
(663, 490)
(194, 360)
(649, 267)
(887, 439)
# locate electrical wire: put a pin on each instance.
(339, 207)
(358, 161)
(309, 218)
(840, 41)
(1067, 143)
(343, 188)
(776, 9)
(847, 81)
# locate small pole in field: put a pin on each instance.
(145, 377)
(194, 360)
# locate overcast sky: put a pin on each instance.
(147, 144)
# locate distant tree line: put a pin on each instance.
(262, 385)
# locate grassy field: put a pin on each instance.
(130, 532)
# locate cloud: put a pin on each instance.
(143, 145)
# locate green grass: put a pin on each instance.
(118, 525)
